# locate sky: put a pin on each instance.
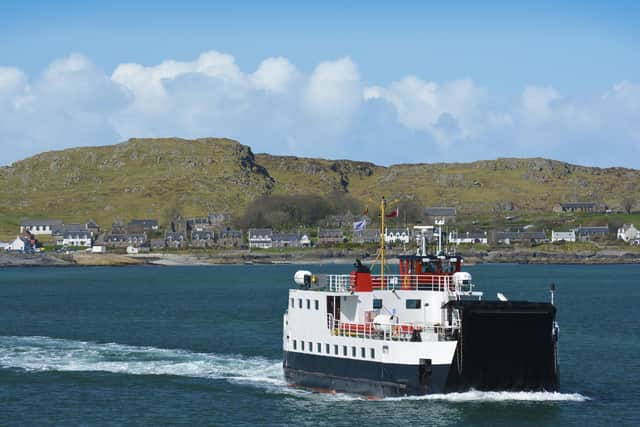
(387, 82)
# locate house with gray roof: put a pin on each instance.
(203, 238)
(229, 238)
(468, 237)
(175, 239)
(286, 240)
(571, 207)
(588, 233)
(330, 236)
(40, 226)
(138, 226)
(369, 235)
(509, 237)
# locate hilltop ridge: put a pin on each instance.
(159, 177)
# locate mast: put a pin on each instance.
(382, 206)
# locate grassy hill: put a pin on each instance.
(155, 178)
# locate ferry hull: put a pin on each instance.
(367, 378)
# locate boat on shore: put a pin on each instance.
(423, 329)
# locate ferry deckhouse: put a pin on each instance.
(421, 330)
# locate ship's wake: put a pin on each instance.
(39, 354)
(500, 396)
(42, 354)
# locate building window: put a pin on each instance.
(353, 352)
(372, 352)
(299, 302)
(327, 348)
(377, 303)
(413, 303)
(302, 345)
(319, 348)
(317, 305)
(308, 304)
(344, 350)
(363, 352)
(295, 344)
(335, 349)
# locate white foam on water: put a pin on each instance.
(40, 354)
(500, 396)
(52, 354)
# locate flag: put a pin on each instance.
(360, 225)
(393, 214)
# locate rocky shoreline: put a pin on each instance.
(329, 256)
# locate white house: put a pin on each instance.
(74, 235)
(305, 241)
(563, 236)
(396, 235)
(21, 244)
(628, 233)
(468, 237)
(40, 226)
(260, 238)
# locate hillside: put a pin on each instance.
(158, 177)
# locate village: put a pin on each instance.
(215, 230)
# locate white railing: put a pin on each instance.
(339, 283)
(384, 332)
(431, 282)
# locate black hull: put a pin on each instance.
(502, 346)
(505, 346)
(368, 378)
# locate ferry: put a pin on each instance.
(424, 329)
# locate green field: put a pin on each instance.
(158, 178)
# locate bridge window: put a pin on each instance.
(295, 344)
(308, 304)
(317, 305)
(319, 348)
(335, 349)
(299, 302)
(302, 345)
(377, 303)
(327, 348)
(344, 350)
(363, 352)
(372, 352)
(310, 347)
(413, 303)
(292, 303)
(353, 352)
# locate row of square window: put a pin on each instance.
(377, 303)
(316, 303)
(336, 348)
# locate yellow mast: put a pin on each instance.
(382, 206)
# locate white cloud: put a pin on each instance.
(334, 91)
(446, 111)
(328, 112)
(274, 75)
(536, 104)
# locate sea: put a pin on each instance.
(149, 345)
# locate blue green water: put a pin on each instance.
(202, 345)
